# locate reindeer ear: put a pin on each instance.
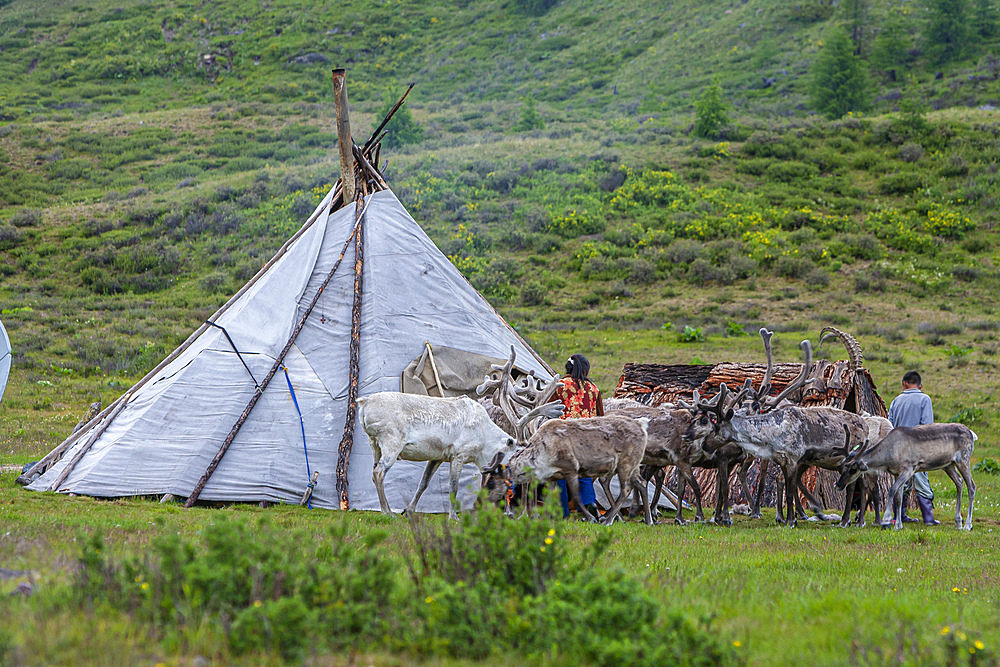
(729, 414)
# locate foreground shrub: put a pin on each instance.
(501, 587)
(282, 591)
(488, 587)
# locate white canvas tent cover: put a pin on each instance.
(5, 358)
(164, 438)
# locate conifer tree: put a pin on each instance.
(948, 31)
(889, 51)
(857, 18)
(985, 19)
(840, 81)
(710, 112)
(530, 118)
(402, 128)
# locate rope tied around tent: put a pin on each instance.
(309, 476)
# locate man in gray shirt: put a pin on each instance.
(913, 408)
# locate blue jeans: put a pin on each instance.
(587, 496)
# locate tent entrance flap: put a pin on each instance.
(459, 371)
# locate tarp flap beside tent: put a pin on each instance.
(166, 435)
(460, 371)
(5, 359)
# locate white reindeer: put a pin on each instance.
(424, 428)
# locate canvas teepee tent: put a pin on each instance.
(293, 321)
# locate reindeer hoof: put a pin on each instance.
(681, 522)
(756, 515)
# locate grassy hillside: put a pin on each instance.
(154, 155)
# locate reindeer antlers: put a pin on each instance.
(771, 402)
(760, 397)
(854, 353)
(529, 393)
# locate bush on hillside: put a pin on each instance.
(790, 171)
(10, 237)
(26, 217)
(901, 183)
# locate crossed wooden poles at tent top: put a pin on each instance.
(367, 179)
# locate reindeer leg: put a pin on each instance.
(790, 499)
(633, 511)
(845, 520)
(955, 477)
(573, 486)
(527, 499)
(722, 495)
(654, 502)
(800, 513)
(606, 485)
(761, 479)
(859, 519)
(813, 503)
(965, 469)
(378, 476)
(639, 484)
(779, 516)
(624, 483)
(742, 476)
(455, 475)
(662, 485)
(681, 483)
(688, 473)
(897, 497)
(425, 479)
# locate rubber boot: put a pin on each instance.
(928, 511)
(592, 508)
(906, 501)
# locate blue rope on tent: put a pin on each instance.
(302, 424)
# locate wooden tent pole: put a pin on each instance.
(347, 442)
(57, 453)
(193, 498)
(344, 141)
(87, 445)
(437, 378)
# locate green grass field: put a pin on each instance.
(154, 155)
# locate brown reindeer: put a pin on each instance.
(906, 451)
(572, 448)
(793, 437)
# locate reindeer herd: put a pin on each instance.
(513, 434)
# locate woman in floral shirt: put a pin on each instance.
(582, 399)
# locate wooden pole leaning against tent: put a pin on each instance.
(347, 441)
